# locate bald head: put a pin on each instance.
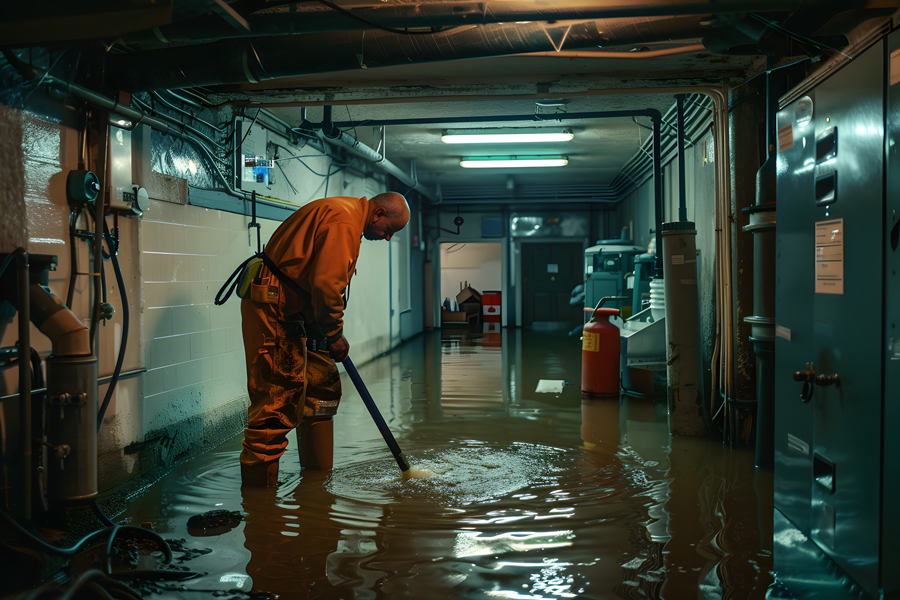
(391, 214)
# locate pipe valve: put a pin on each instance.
(67, 399)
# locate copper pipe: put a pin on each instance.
(601, 54)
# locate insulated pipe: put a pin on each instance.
(24, 378)
(239, 61)
(287, 20)
(682, 201)
(334, 136)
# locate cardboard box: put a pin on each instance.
(454, 316)
(468, 295)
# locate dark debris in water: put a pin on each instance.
(180, 547)
(214, 522)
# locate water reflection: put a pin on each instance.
(534, 495)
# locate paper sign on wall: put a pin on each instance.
(553, 268)
(830, 257)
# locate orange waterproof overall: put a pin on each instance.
(290, 376)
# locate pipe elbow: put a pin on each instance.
(69, 336)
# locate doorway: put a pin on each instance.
(478, 264)
(549, 274)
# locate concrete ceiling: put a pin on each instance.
(600, 147)
(501, 86)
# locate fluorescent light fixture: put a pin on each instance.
(512, 162)
(506, 136)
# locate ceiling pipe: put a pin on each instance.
(647, 112)
(618, 55)
(643, 91)
(331, 134)
(288, 20)
(682, 200)
(241, 61)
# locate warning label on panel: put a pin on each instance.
(785, 138)
(830, 257)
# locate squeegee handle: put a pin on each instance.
(376, 415)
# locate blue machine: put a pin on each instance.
(606, 267)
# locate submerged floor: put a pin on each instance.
(536, 495)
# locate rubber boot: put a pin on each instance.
(264, 474)
(315, 439)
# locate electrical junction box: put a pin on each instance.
(254, 167)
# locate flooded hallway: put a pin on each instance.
(414, 299)
(534, 495)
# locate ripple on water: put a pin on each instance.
(471, 473)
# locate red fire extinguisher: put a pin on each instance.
(600, 355)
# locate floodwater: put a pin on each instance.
(534, 495)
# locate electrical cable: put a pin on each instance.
(125, 325)
(238, 149)
(797, 36)
(350, 14)
(9, 258)
(186, 113)
(291, 185)
(44, 77)
(350, 118)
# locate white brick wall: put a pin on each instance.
(193, 348)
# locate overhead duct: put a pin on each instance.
(293, 19)
(238, 61)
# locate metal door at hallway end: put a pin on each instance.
(550, 271)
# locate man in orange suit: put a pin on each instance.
(292, 340)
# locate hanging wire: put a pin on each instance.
(248, 130)
(797, 36)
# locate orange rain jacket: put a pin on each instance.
(318, 247)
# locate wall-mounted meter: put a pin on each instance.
(129, 202)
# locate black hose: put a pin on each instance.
(125, 324)
(73, 255)
(114, 530)
(101, 516)
(9, 258)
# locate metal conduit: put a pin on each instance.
(138, 117)
(170, 106)
(682, 201)
(176, 122)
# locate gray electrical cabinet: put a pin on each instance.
(833, 306)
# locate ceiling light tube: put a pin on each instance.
(512, 162)
(505, 136)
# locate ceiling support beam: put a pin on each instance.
(237, 61)
(287, 20)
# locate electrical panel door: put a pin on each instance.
(794, 284)
(845, 510)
